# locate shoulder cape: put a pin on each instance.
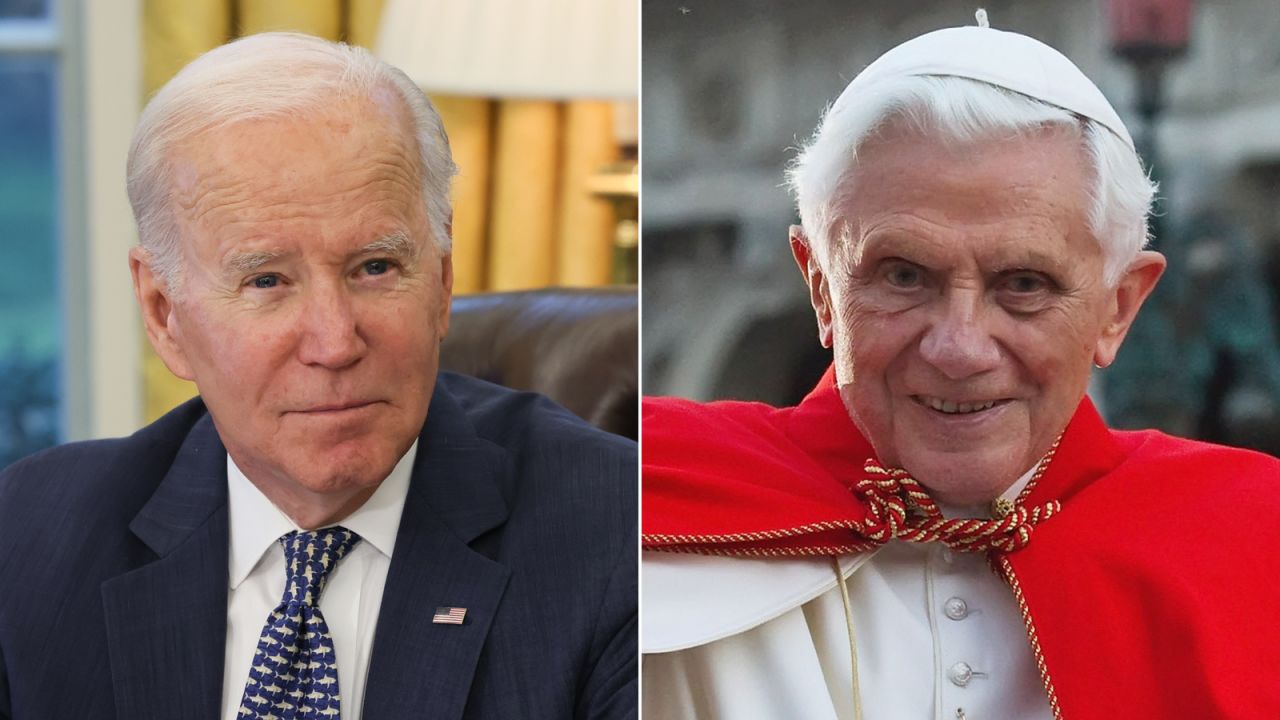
(1153, 593)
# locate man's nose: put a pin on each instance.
(958, 341)
(330, 331)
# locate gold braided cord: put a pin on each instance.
(898, 507)
(778, 534)
(853, 637)
(766, 552)
(1006, 570)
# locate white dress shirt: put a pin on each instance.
(939, 635)
(352, 595)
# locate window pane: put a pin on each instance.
(23, 8)
(30, 331)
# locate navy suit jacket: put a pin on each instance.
(113, 571)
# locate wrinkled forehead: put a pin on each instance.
(274, 155)
(1031, 188)
(953, 149)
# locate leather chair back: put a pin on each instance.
(577, 346)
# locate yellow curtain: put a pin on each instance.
(523, 217)
(469, 121)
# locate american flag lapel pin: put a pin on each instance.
(449, 616)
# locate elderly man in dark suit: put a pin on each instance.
(333, 528)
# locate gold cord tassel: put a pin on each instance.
(853, 637)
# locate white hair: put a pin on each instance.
(966, 111)
(269, 75)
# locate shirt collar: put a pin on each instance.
(256, 523)
(981, 511)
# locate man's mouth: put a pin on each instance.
(956, 407)
(337, 407)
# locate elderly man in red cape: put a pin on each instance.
(944, 527)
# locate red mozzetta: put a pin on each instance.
(1153, 592)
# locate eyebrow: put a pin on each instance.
(244, 262)
(1028, 258)
(396, 244)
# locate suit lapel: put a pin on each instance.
(166, 621)
(420, 667)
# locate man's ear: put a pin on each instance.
(819, 296)
(1134, 288)
(156, 303)
(446, 291)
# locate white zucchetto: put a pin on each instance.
(1004, 59)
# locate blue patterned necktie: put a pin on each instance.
(294, 675)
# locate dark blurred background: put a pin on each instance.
(731, 88)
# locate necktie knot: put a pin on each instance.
(309, 557)
(898, 507)
(294, 674)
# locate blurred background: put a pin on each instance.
(538, 97)
(730, 89)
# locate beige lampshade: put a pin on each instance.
(515, 48)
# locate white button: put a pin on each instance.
(960, 674)
(955, 608)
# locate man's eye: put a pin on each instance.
(377, 267)
(1026, 283)
(904, 275)
(265, 282)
